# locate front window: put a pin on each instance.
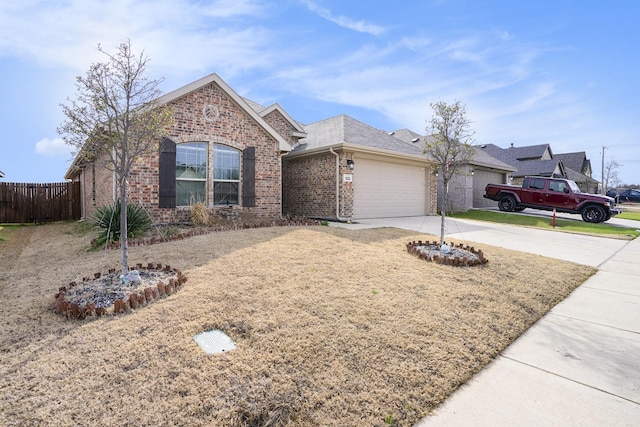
(226, 175)
(191, 173)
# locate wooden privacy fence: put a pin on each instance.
(24, 203)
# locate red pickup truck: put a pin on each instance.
(563, 195)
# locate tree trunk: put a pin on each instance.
(445, 200)
(124, 250)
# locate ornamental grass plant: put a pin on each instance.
(106, 220)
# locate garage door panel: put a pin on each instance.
(383, 189)
(480, 180)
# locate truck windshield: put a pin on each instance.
(574, 187)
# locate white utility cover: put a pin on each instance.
(214, 341)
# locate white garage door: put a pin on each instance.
(385, 190)
(480, 180)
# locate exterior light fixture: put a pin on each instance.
(350, 163)
(472, 172)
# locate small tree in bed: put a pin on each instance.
(115, 118)
(448, 145)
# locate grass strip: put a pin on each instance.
(629, 215)
(567, 225)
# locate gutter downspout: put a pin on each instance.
(281, 181)
(338, 186)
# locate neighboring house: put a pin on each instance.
(219, 151)
(347, 170)
(532, 160)
(485, 169)
(466, 188)
(579, 170)
(530, 152)
(539, 160)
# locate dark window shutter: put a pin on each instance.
(167, 172)
(249, 177)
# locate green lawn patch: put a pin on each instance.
(629, 215)
(566, 225)
(5, 230)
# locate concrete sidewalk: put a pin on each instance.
(580, 364)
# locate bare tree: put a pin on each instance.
(610, 177)
(115, 118)
(448, 145)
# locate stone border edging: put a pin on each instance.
(453, 260)
(136, 299)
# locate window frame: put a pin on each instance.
(226, 170)
(199, 146)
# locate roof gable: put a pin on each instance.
(242, 103)
(276, 107)
(531, 152)
(575, 161)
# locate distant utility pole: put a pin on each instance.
(604, 190)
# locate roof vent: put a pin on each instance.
(415, 140)
(391, 133)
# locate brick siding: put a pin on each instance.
(309, 187)
(234, 128)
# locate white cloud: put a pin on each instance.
(53, 147)
(345, 22)
(67, 34)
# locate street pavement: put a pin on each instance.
(577, 366)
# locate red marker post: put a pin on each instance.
(553, 220)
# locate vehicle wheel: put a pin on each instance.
(507, 203)
(594, 214)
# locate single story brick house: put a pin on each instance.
(230, 152)
(219, 150)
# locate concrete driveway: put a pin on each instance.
(580, 364)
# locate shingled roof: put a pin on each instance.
(530, 152)
(577, 161)
(344, 130)
(539, 168)
(499, 153)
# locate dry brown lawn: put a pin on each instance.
(333, 327)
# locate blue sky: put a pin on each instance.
(564, 73)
